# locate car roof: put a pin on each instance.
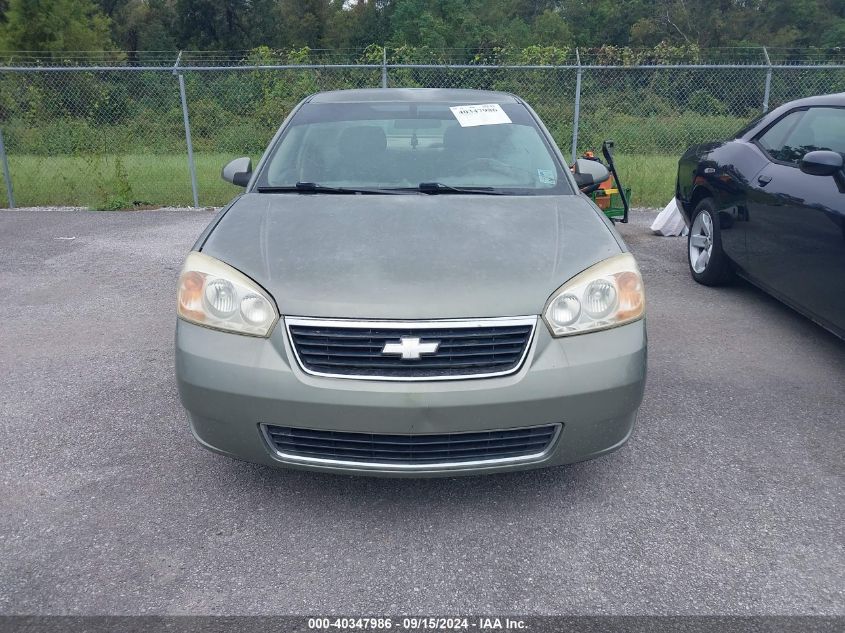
(431, 95)
(836, 99)
(754, 128)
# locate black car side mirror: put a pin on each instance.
(825, 163)
(821, 163)
(238, 171)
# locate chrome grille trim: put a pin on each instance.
(519, 321)
(423, 467)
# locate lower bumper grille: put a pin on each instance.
(411, 451)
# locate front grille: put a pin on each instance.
(410, 450)
(466, 349)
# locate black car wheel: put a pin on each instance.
(707, 261)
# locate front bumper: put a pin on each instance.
(591, 385)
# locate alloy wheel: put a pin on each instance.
(701, 242)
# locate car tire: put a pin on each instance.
(708, 263)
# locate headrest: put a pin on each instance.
(362, 139)
(454, 137)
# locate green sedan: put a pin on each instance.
(411, 284)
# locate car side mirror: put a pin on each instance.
(589, 172)
(238, 171)
(825, 163)
(822, 163)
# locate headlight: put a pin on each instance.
(605, 295)
(216, 295)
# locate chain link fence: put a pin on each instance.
(113, 137)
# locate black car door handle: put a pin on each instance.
(764, 180)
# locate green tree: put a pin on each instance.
(357, 25)
(463, 26)
(144, 25)
(215, 24)
(303, 22)
(834, 35)
(440, 24)
(551, 29)
(53, 27)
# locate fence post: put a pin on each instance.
(384, 67)
(6, 176)
(191, 166)
(768, 89)
(577, 116)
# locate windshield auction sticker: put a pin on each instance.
(481, 114)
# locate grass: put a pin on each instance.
(651, 178)
(127, 181)
(118, 182)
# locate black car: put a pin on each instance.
(769, 205)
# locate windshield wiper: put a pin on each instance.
(439, 187)
(313, 187)
(424, 187)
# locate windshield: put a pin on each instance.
(401, 146)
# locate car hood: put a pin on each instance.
(411, 256)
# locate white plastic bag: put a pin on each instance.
(669, 222)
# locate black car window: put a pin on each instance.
(805, 131)
(774, 138)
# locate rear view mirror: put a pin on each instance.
(590, 172)
(238, 171)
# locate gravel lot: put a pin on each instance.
(727, 499)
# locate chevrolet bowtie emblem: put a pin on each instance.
(410, 348)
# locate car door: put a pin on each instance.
(796, 225)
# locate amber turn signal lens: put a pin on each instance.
(631, 295)
(190, 295)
